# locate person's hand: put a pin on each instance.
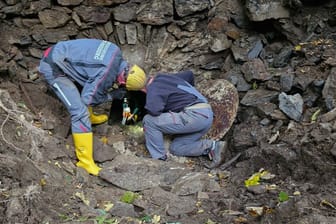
(118, 94)
(130, 117)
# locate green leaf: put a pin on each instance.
(254, 85)
(128, 197)
(283, 196)
(146, 218)
(315, 115)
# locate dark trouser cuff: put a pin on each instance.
(163, 158)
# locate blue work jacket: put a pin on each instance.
(93, 64)
(172, 92)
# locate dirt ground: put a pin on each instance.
(39, 182)
(39, 179)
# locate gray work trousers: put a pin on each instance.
(70, 96)
(187, 127)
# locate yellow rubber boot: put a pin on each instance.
(83, 144)
(97, 119)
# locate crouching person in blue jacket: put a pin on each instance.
(97, 66)
(175, 107)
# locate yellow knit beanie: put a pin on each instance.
(136, 79)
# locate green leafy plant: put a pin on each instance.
(283, 196)
(129, 197)
(104, 220)
(146, 219)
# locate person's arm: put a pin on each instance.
(117, 94)
(95, 90)
(155, 100)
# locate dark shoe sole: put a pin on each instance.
(223, 149)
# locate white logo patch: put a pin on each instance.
(101, 50)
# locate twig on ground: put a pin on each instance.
(229, 163)
(13, 114)
(28, 99)
(3, 136)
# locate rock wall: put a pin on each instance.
(160, 35)
(279, 54)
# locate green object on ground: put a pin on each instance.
(283, 196)
(129, 197)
